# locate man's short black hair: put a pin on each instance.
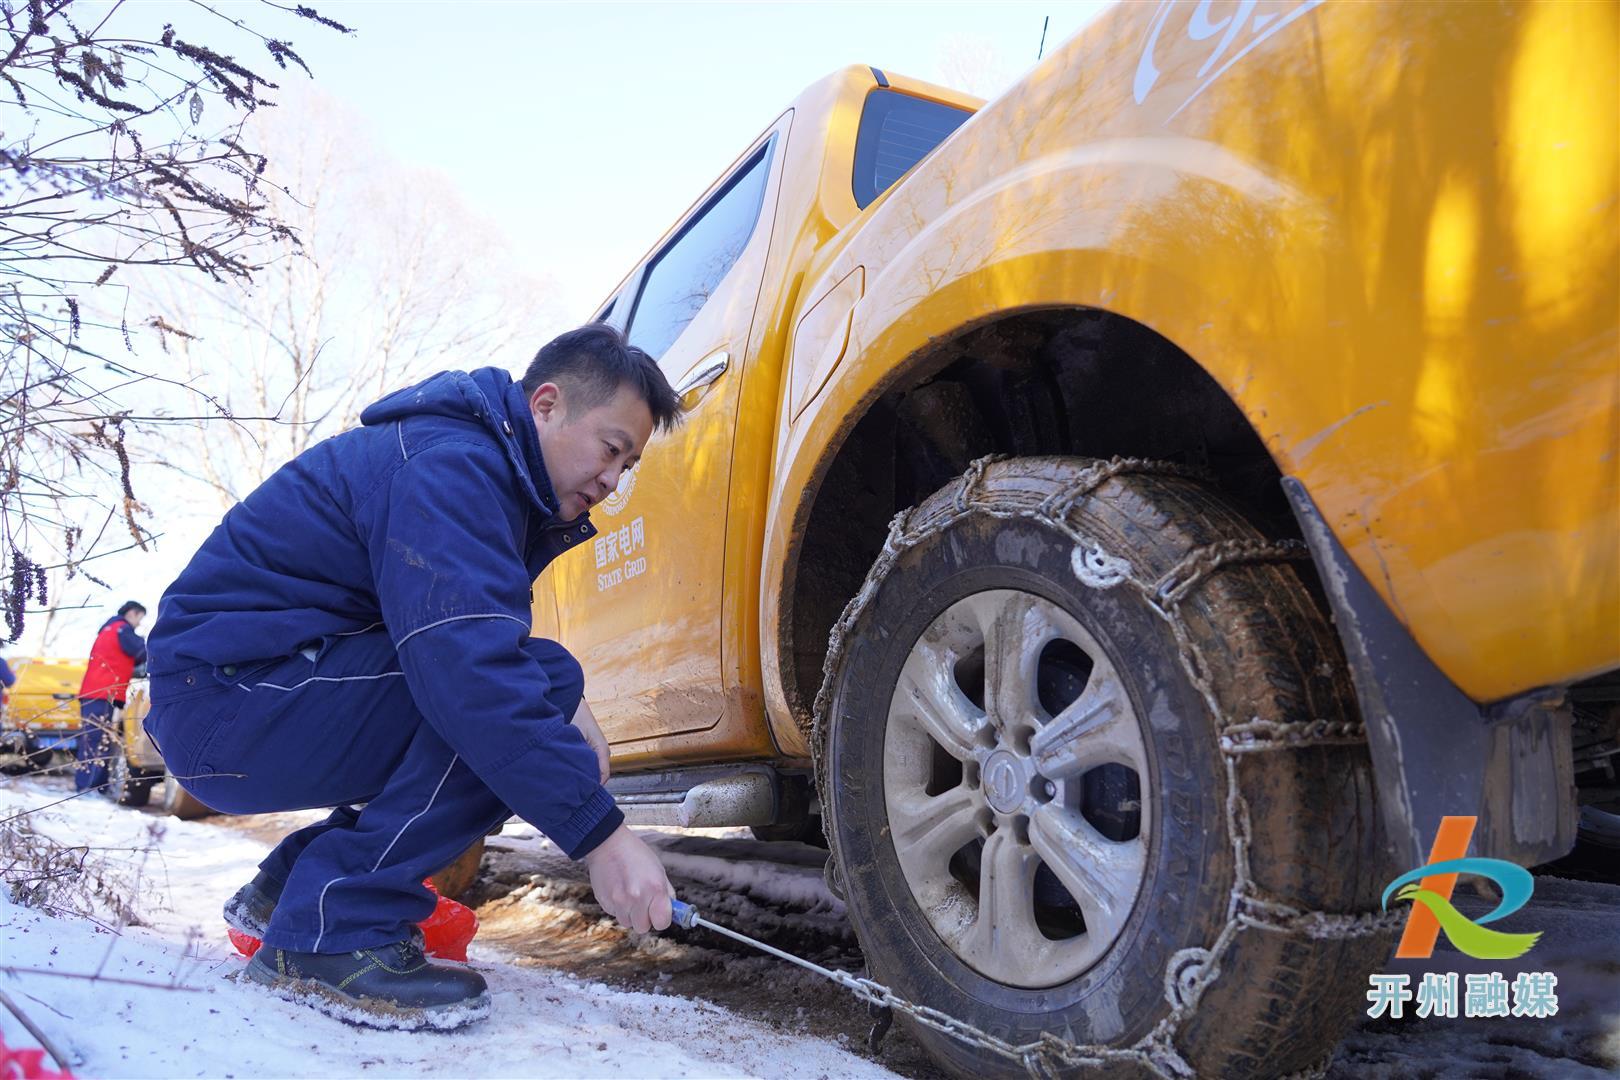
(132, 605)
(593, 362)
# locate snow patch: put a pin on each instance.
(164, 1006)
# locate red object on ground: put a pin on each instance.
(449, 929)
(246, 944)
(27, 1065)
(446, 933)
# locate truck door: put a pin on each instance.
(642, 608)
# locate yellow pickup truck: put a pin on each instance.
(39, 723)
(1127, 515)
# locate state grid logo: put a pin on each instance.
(620, 496)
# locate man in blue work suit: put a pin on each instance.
(357, 631)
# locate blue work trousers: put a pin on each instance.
(92, 750)
(332, 726)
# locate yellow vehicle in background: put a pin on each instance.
(137, 769)
(41, 723)
(1129, 514)
(41, 716)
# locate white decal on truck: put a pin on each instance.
(1261, 21)
(620, 496)
(613, 545)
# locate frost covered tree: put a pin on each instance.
(395, 278)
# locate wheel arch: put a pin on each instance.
(1038, 380)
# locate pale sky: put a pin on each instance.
(581, 130)
(588, 128)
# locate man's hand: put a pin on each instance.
(630, 882)
(585, 720)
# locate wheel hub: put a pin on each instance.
(1007, 735)
(1006, 779)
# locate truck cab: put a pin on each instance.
(714, 301)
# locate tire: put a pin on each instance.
(1597, 844)
(806, 830)
(1146, 824)
(180, 803)
(14, 756)
(1596, 854)
(124, 784)
(798, 822)
(458, 877)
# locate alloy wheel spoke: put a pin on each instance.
(1005, 928)
(928, 690)
(929, 829)
(1013, 630)
(1102, 876)
(1096, 728)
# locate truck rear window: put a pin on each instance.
(896, 132)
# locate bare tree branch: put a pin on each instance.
(104, 165)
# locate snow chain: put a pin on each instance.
(1189, 972)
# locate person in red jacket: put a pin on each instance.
(113, 657)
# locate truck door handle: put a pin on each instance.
(709, 369)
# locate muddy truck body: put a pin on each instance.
(1126, 516)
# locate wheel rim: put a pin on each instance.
(1016, 783)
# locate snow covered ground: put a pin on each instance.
(166, 1003)
(577, 996)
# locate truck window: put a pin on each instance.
(686, 272)
(896, 132)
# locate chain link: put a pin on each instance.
(1258, 735)
(1182, 578)
(1190, 972)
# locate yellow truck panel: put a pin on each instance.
(46, 697)
(1313, 306)
(1409, 286)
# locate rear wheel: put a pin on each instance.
(1081, 782)
(458, 877)
(180, 803)
(798, 816)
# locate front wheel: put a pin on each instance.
(1094, 768)
(14, 760)
(126, 785)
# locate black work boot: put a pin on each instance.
(250, 908)
(390, 986)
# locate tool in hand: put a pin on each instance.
(877, 997)
(686, 916)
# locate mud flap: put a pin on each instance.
(1435, 752)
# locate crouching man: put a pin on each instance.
(357, 631)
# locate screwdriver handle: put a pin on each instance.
(685, 915)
